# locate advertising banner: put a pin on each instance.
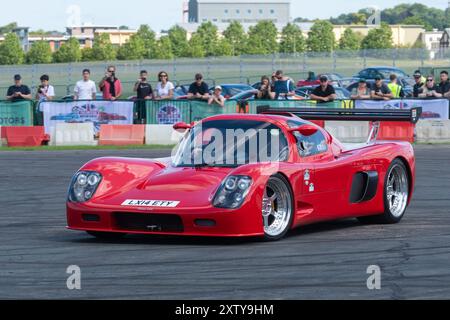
(16, 114)
(174, 111)
(201, 110)
(97, 112)
(167, 112)
(431, 109)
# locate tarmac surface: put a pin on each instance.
(324, 261)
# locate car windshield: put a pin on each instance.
(387, 73)
(231, 143)
(244, 95)
(332, 76)
(234, 90)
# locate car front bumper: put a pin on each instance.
(214, 222)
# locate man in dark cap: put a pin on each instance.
(325, 92)
(419, 84)
(380, 91)
(18, 91)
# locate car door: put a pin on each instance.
(322, 186)
(332, 177)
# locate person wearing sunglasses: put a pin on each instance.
(430, 90)
(111, 85)
(164, 88)
(273, 79)
(199, 89)
(380, 91)
(283, 87)
(419, 83)
(324, 92)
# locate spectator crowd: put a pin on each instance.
(277, 87)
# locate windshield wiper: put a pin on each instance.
(206, 165)
(214, 165)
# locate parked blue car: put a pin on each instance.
(383, 72)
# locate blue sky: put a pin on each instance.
(52, 15)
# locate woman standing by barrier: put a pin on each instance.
(164, 88)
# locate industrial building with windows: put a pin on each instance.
(244, 11)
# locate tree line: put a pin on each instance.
(406, 13)
(261, 39)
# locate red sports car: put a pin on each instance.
(249, 175)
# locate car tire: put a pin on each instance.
(396, 195)
(106, 235)
(277, 208)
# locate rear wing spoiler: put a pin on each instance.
(374, 115)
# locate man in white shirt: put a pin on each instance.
(85, 89)
(45, 92)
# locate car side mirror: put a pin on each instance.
(305, 130)
(182, 127)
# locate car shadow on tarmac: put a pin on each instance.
(314, 229)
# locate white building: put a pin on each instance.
(244, 11)
(432, 39)
(85, 34)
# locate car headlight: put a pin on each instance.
(232, 192)
(83, 186)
